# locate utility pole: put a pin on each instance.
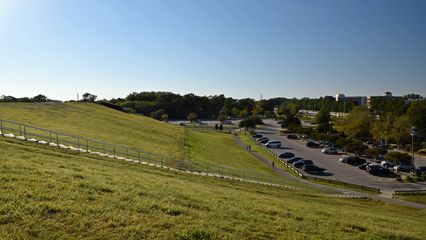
(77, 97)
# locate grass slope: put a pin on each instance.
(98, 122)
(101, 123)
(219, 148)
(51, 193)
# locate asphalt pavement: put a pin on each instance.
(334, 169)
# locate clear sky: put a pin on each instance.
(241, 48)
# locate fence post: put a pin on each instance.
(78, 142)
(20, 129)
(127, 152)
(25, 132)
(57, 139)
(113, 147)
(207, 169)
(149, 157)
(222, 172)
(103, 148)
(50, 136)
(87, 145)
(161, 161)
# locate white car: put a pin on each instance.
(273, 144)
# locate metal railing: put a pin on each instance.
(63, 140)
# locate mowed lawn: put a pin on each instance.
(97, 122)
(220, 149)
(48, 193)
(101, 123)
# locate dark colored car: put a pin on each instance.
(262, 138)
(292, 136)
(286, 155)
(418, 171)
(311, 168)
(354, 161)
(363, 166)
(264, 141)
(293, 159)
(301, 163)
(376, 169)
(257, 136)
(312, 144)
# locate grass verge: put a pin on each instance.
(51, 193)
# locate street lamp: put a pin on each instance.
(412, 133)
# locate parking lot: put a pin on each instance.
(334, 169)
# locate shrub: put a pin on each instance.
(376, 151)
(399, 157)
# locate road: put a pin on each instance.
(336, 170)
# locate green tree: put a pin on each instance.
(323, 119)
(192, 117)
(248, 123)
(221, 118)
(157, 114)
(88, 97)
(165, 117)
(357, 124)
(401, 128)
(417, 114)
(383, 128)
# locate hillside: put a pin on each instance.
(97, 122)
(52, 193)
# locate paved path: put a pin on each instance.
(343, 193)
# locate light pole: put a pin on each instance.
(412, 133)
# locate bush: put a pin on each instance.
(376, 151)
(399, 157)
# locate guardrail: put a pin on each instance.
(82, 144)
(297, 172)
(410, 192)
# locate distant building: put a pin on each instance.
(361, 100)
(386, 95)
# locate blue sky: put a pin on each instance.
(241, 48)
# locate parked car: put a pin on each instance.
(311, 168)
(312, 144)
(329, 151)
(387, 164)
(273, 144)
(354, 161)
(262, 138)
(418, 171)
(403, 168)
(376, 169)
(293, 159)
(363, 166)
(292, 136)
(264, 141)
(257, 136)
(301, 163)
(286, 155)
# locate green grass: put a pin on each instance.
(220, 149)
(52, 193)
(418, 198)
(101, 123)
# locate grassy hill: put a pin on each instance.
(98, 122)
(101, 123)
(51, 193)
